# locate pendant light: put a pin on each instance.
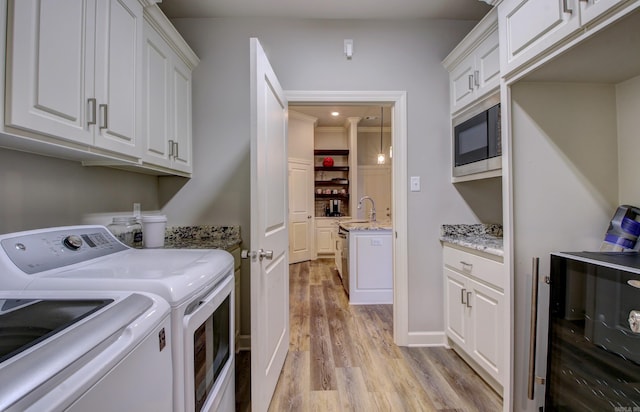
(381, 157)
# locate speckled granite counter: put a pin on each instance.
(202, 237)
(483, 237)
(366, 225)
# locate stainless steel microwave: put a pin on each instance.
(477, 144)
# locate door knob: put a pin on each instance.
(261, 254)
(265, 254)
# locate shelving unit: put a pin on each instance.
(332, 178)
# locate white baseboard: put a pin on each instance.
(423, 339)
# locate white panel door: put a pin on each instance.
(50, 67)
(269, 231)
(118, 87)
(300, 210)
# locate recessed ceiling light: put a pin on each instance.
(335, 114)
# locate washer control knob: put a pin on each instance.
(72, 242)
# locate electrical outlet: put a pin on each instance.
(415, 183)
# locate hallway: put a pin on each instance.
(342, 357)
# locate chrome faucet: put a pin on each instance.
(372, 215)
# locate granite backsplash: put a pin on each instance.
(202, 237)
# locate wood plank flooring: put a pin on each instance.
(342, 358)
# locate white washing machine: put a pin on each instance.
(197, 284)
(81, 351)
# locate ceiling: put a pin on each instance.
(332, 9)
(328, 9)
(369, 114)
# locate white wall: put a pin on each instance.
(628, 108)
(308, 55)
(39, 191)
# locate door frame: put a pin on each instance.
(399, 188)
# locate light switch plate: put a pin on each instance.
(415, 183)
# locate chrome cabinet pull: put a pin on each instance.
(104, 111)
(533, 328)
(176, 152)
(476, 78)
(469, 265)
(91, 106)
(462, 293)
(565, 7)
(469, 299)
(471, 82)
(170, 148)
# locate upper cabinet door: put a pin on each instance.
(49, 67)
(181, 116)
(529, 27)
(117, 86)
(156, 67)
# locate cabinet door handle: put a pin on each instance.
(471, 82)
(91, 106)
(176, 151)
(466, 265)
(104, 111)
(476, 78)
(468, 299)
(462, 294)
(565, 7)
(170, 148)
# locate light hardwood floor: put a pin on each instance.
(342, 358)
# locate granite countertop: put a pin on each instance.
(202, 237)
(483, 237)
(354, 225)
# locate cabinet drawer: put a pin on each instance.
(476, 264)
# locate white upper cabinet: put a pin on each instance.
(73, 71)
(531, 29)
(591, 9)
(167, 66)
(474, 65)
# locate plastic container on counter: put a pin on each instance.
(128, 230)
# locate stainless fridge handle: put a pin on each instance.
(533, 330)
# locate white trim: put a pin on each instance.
(399, 184)
(427, 339)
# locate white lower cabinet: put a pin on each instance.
(326, 236)
(474, 312)
(370, 267)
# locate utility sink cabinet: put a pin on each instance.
(370, 267)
